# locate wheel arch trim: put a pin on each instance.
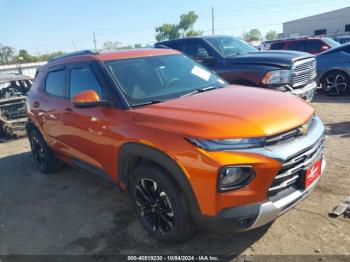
(134, 149)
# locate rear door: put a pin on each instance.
(50, 104)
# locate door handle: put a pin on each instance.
(35, 104)
(68, 110)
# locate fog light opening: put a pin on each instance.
(233, 177)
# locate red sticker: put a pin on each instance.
(313, 173)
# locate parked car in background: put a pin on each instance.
(342, 39)
(333, 70)
(240, 63)
(13, 88)
(312, 45)
(190, 149)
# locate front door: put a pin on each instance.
(87, 129)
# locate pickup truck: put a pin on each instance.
(240, 63)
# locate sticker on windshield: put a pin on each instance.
(201, 73)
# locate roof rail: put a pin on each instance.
(82, 52)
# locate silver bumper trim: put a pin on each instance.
(307, 92)
(269, 211)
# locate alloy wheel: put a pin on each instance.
(154, 206)
(335, 84)
(38, 151)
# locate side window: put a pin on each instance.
(195, 50)
(55, 83)
(82, 79)
(277, 46)
(311, 46)
(297, 46)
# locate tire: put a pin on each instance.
(160, 205)
(336, 83)
(43, 156)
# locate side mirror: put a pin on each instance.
(87, 99)
(324, 48)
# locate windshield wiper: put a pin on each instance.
(201, 90)
(148, 103)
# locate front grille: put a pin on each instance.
(303, 72)
(293, 169)
(291, 134)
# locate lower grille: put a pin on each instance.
(293, 169)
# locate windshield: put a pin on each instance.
(230, 46)
(331, 42)
(159, 78)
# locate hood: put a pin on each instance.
(282, 59)
(231, 112)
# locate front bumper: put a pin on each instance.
(254, 215)
(307, 92)
(269, 211)
(244, 218)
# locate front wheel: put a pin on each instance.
(160, 205)
(336, 83)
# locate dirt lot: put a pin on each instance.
(73, 212)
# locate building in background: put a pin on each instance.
(331, 24)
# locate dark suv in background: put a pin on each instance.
(312, 45)
(240, 63)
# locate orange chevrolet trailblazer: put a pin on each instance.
(189, 148)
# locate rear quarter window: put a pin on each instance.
(55, 83)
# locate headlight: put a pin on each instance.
(228, 144)
(233, 177)
(276, 77)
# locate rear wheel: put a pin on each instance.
(42, 154)
(336, 83)
(160, 205)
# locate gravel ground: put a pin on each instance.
(73, 212)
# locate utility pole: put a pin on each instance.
(93, 34)
(73, 44)
(212, 21)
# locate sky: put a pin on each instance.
(42, 26)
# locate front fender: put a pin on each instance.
(132, 149)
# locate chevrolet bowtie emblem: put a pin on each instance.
(303, 130)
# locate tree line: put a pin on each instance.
(166, 31)
(185, 28)
(8, 55)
